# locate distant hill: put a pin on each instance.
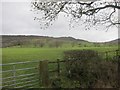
(116, 41)
(12, 40)
(71, 39)
(40, 41)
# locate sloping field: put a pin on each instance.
(29, 54)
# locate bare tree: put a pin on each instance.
(94, 12)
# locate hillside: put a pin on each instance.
(117, 41)
(45, 41)
(37, 41)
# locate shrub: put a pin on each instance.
(79, 59)
(81, 55)
(87, 67)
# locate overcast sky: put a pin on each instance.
(17, 19)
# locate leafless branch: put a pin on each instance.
(77, 9)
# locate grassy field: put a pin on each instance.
(29, 54)
(10, 55)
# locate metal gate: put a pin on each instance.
(20, 75)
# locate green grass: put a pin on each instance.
(29, 54)
(10, 55)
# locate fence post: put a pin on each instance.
(58, 68)
(43, 69)
(117, 53)
(106, 55)
(118, 58)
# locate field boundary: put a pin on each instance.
(41, 75)
(18, 81)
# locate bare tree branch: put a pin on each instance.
(77, 9)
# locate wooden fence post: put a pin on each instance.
(44, 74)
(106, 55)
(117, 53)
(118, 58)
(58, 68)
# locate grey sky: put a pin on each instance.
(17, 19)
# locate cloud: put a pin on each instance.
(19, 20)
(0, 17)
